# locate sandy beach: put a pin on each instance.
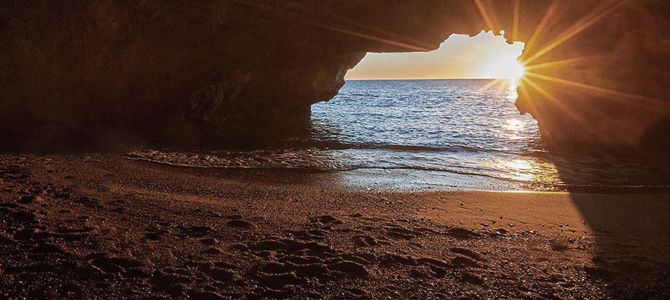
(101, 226)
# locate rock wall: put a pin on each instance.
(596, 77)
(158, 64)
(162, 66)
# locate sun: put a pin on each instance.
(510, 70)
(504, 67)
(515, 72)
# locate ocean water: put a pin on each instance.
(427, 134)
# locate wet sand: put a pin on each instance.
(105, 227)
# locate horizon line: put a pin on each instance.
(389, 79)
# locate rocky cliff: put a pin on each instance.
(598, 68)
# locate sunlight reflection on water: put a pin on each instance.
(433, 133)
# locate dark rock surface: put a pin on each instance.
(176, 68)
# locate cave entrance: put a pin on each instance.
(436, 114)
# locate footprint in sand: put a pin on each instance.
(241, 224)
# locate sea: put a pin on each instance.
(428, 135)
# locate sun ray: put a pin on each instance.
(490, 85)
(601, 90)
(369, 37)
(573, 31)
(560, 62)
(571, 114)
(374, 30)
(540, 27)
(515, 21)
(540, 90)
(305, 18)
(526, 95)
(485, 15)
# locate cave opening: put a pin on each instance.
(452, 109)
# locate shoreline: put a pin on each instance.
(89, 225)
(379, 178)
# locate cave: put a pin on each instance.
(176, 68)
(137, 157)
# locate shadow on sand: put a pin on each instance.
(632, 232)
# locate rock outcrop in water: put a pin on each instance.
(181, 66)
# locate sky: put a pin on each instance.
(460, 56)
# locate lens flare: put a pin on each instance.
(516, 71)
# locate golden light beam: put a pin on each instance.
(597, 89)
(540, 90)
(524, 91)
(570, 33)
(485, 15)
(515, 21)
(555, 100)
(339, 29)
(560, 62)
(528, 99)
(490, 85)
(375, 31)
(369, 37)
(540, 27)
(592, 15)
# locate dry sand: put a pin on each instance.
(105, 227)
